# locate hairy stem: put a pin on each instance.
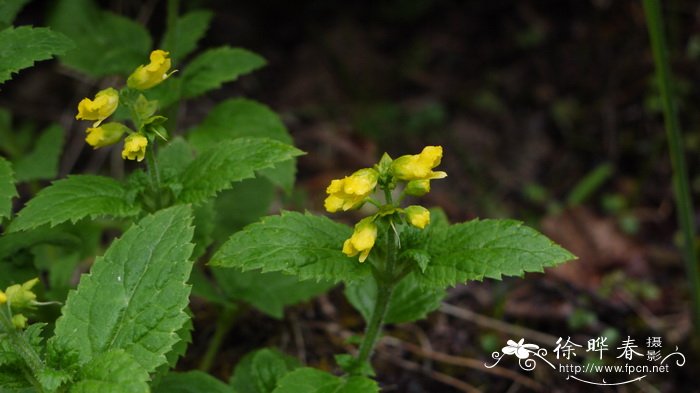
(152, 166)
(652, 9)
(22, 348)
(385, 287)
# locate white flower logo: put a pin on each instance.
(521, 350)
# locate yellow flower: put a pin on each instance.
(104, 104)
(351, 191)
(135, 147)
(418, 216)
(20, 321)
(151, 74)
(419, 166)
(105, 135)
(21, 296)
(362, 239)
(418, 187)
(3, 297)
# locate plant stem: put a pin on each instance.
(152, 166)
(21, 347)
(685, 212)
(223, 324)
(385, 287)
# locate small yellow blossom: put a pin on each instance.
(135, 147)
(105, 103)
(3, 297)
(418, 216)
(105, 135)
(20, 321)
(21, 295)
(351, 191)
(418, 187)
(151, 74)
(362, 239)
(419, 166)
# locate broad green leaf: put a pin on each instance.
(259, 371)
(135, 295)
(9, 10)
(217, 168)
(310, 380)
(113, 371)
(268, 292)
(191, 382)
(74, 198)
(409, 301)
(236, 118)
(106, 43)
(216, 66)
(244, 204)
(7, 188)
(174, 158)
(488, 248)
(306, 245)
(188, 30)
(22, 46)
(42, 162)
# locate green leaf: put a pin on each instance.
(9, 10)
(42, 162)
(244, 204)
(114, 371)
(174, 158)
(216, 66)
(106, 43)
(259, 371)
(215, 169)
(135, 295)
(409, 301)
(191, 382)
(306, 245)
(22, 46)
(188, 30)
(268, 292)
(7, 188)
(236, 118)
(74, 198)
(488, 248)
(310, 380)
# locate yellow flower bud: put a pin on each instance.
(419, 166)
(105, 135)
(105, 103)
(21, 296)
(362, 239)
(151, 74)
(418, 187)
(351, 191)
(135, 147)
(20, 321)
(3, 297)
(418, 216)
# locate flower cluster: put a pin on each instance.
(351, 192)
(107, 101)
(19, 297)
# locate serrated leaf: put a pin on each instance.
(244, 204)
(310, 380)
(9, 10)
(106, 43)
(7, 188)
(188, 30)
(488, 248)
(217, 168)
(22, 46)
(216, 66)
(184, 339)
(191, 382)
(135, 295)
(74, 198)
(259, 371)
(302, 244)
(42, 162)
(174, 158)
(114, 371)
(409, 301)
(268, 292)
(417, 256)
(236, 118)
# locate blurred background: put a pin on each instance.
(548, 113)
